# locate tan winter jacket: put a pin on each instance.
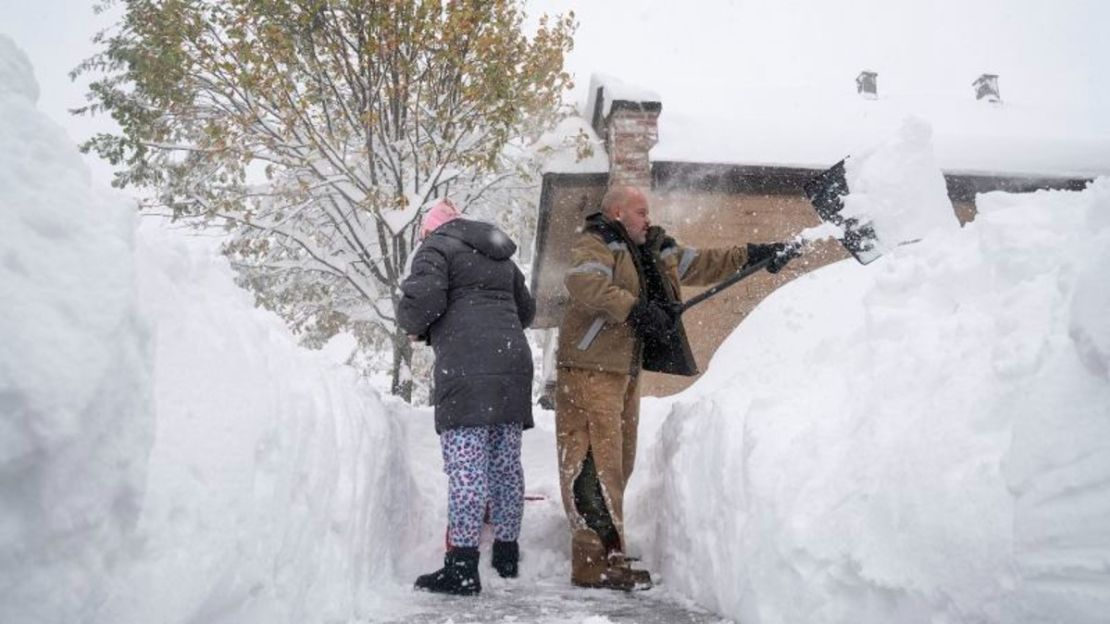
(604, 284)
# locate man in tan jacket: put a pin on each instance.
(622, 316)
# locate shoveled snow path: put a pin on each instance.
(543, 593)
(557, 602)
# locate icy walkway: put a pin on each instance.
(543, 593)
(552, 602)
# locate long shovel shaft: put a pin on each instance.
(736, 277)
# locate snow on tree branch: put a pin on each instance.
(316, 132)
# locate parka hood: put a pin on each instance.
(488, 239)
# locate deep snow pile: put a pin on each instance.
(75, 412)
(168, 453)
(898, 188)
(278, 478)
(924, 439)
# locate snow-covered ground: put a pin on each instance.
(925, 439)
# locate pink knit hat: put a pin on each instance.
(443, 211)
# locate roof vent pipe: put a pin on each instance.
(986, 88)
(867, 85)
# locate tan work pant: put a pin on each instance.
(596, 412)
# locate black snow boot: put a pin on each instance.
(459, 575)
(506, 556)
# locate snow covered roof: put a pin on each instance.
(805, 128)
(813, 129)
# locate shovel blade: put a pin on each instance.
(826, 191)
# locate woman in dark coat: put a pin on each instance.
(469, 301)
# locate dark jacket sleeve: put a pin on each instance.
(424, 292)
(525, 304)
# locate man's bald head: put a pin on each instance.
(619, 197)
(628, 206)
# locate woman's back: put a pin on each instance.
(469, 299)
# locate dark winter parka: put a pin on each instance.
(469, 300)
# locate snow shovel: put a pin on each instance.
(825, 192)
(744, 272)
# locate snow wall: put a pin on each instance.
(76, 417)
(167, 452)
(924, 439)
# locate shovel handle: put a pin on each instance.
(734, 278)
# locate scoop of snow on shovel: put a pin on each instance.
(898, 188)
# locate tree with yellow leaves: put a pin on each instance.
(315, 131)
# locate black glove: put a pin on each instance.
(650, 320)
(779, 253)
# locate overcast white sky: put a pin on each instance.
(699, 54)
(1046, 51)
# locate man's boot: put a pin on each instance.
(506, 557)
(641, 578)
(590, 566)
(459, 575)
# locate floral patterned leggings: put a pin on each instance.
(484, 475)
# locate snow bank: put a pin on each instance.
(1091, 304)
(75, 411)
(17, 79)
(926, 439)
(277, 477)
(168, 453)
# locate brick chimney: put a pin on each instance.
(627, 119)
